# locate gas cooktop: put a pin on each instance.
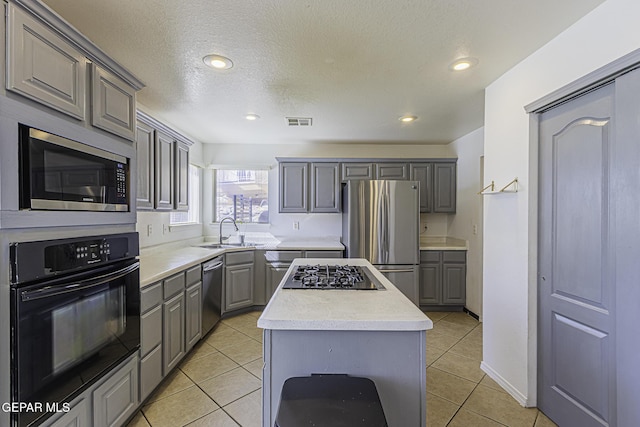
(332, 277)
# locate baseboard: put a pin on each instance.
(471, 313)
(519, 397)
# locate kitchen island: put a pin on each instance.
(377, 334)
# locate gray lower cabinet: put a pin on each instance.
(259, 280)
(193, 304)
(238, 284)
(116, 399)
(150, 338)
(78, 416)
(405, 278)
(443, 278)
(173, 332)
(274, 275)
(42, 66)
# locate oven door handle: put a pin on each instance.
(50, 291)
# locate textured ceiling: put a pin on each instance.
(354, 66)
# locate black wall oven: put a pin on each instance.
(60, 174)
(75, 314)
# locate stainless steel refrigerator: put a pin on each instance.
(380, 222)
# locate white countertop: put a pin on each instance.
(330, 309)
(159, 263)
(442, 244)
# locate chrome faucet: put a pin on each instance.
(223, 220)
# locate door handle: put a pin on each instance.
(396, 271)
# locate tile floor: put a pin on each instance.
(218, 383)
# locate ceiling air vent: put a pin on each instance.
(299, 121)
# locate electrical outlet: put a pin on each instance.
(149, 230)
(165, 228)
(423, 226)
(475, 229)
(296, 225)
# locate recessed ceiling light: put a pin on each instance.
(463, 64)
(408, 119)
(252, 117)
(218, 62)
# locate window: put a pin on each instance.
(242, 194)
(192, 216)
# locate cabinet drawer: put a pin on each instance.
(150, 330)
(282, 256)
(454, 256)
(429, 256)
(194, 275)
(234, 258)
(323, 254)
(150, 296)
(173, 285)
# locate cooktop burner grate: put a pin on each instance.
(332, 277)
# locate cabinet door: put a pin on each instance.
(423, 173)
(454, 283)
(238, 287)
(357, 171)
(182, 177)
(173, 332)
(430, 283)
(325, 187)
(42, 66)
(145, 182)
(193, 315)
(76, 417)
(150, 330)
(274, 276)
(113, 106)
(260, 285)
(117, 398)
(444, 187)
(293, 187)
(150, 372)
(164, 168)
(392, 171)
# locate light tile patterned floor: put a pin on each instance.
(218, 383)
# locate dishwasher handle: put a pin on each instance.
(214, 264)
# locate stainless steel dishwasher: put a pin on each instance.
(212, 278)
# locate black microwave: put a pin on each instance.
(57, 173)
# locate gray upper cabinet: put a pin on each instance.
(423, 172)
(444, 187)
(325, 187)
(182, 177)
(113, 104)
(392, 171)
(146, 166)
(164, 171)
(43, 66)
(293, 187)
(357, 171)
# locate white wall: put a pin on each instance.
(510, 220)
(469, 150)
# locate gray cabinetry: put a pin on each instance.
(259, 281)
(164, 171)
(357, 171)
(392, 171)
(274, 275)
(113, 106)
(423, 173)
(150, 338)
(437, 186)
(294, 187)
(173, 332)
(78, 416)
(42, 66)
(444, 187)
(182, 177)
(193, 307)
(443, 278)
(115, 400)
(325, 187)
(239, 275)
(146, 166)
(405, 278)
